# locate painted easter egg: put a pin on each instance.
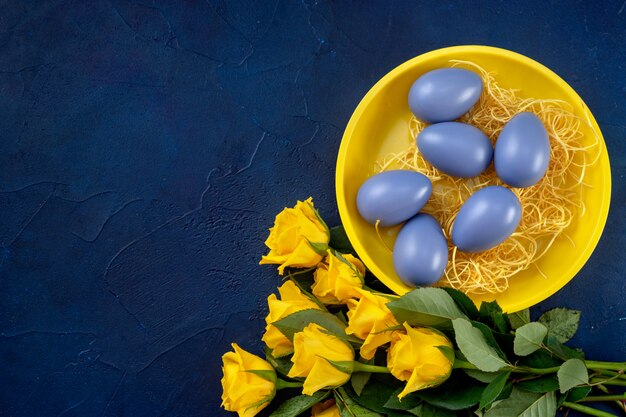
(486, 219)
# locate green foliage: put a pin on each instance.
(529, 338)
(562, 323)
(524, 404)
(489, 336)
(459, 392)
(409, 402)
(519, 318)
(348, 407)
(281, 365)
(320, 248)
(561, 351)
(431, 307)
(299, 404)
(500, 359)
(485, 377)
(465, 304)
(264, 373)
(297, 321)
(339, 240)
(492, 391)
(474, 346)
(540, 384)
(374, 395)
(540, 359)
(358, 381)
(428, 410)
(447, 351)
(577, 394)
(572, 373)
(491, 314)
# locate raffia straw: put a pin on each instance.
(547, 207)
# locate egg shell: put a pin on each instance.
(522, 152)
(455, 148)
(420, 253)
(393, 196)
(444, 94)
(486, 219)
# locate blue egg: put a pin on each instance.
(522, 152)
(455, 148)
(444, 94)
(420, 254)
(486, 219)
(393, 197)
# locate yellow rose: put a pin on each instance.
(337, 281)
(289, 239)
(368, 318)
(291, 300)
(313, 348)
(327, 408)
(242, 391)
(414, 357)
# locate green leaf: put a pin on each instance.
(344, 366)
(447, 351)
(465, 303)
(349, 408)
(429, 306)
(407, 403)
(264, 373)
(358, 381)
(415, 406)
(459, 392)
(320, 248)
(297, 321)
(561, 351)
(339, 240)
(304, 281)
(529, 338)
(473, 345)
(506, 392)
(543, 407)
(572, 373)
(489, 337)
(281, 365)
(577, 394)
(519, 318)
(297, 405)
(492, 313)
(540, 359)
(524, 404)
(493, 390)
(343, 259)
(562, 323)
(374, 395)
(429, 410)
(398, 413)
(317, 214)
(485, 377)
(540, 385)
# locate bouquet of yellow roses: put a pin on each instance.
(342, 346)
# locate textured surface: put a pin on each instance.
(147, 146)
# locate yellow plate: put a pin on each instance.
(379, 126)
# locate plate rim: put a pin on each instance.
(400, 288)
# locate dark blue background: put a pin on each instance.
(146, 148)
